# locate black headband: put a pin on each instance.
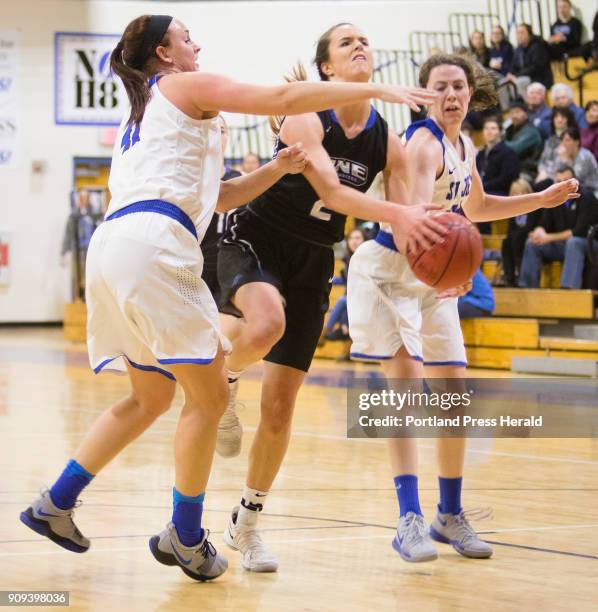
(156, 28)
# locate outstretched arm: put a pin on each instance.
(200, 92)
(481, 206)
(242, 189)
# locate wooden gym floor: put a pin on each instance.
(330, 518)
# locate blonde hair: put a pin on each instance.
(520, 187)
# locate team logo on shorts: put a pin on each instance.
(350, 172)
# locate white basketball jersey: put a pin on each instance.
(169, 157)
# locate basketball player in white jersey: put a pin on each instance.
(408, 326)
(149, 312)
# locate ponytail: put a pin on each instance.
(297, 73)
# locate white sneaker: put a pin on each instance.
(230, 430)
(246, 539)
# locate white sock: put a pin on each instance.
(252, 503)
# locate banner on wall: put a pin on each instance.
(85, 91)
(10, 119)
(4, 258)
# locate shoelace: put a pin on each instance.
(415, 528)
(475, 514)
(229, 418)
(207, 548)
(250, 538)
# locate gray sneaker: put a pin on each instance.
(455, 529)
(412, 541)
(230, 430)
(54, 523)
(200, 562)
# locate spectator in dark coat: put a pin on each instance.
(518, 230)
(524, 138)
(531, 61)
(501, 51)
(548, 242)
(478, 48)
(565, 32)
(497, 164)
(589, 135)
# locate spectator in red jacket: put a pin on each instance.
(589, 135)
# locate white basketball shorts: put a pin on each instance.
(146, 301)
(389, 308)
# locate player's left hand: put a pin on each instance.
(293, 159)
(455, 291)
(559, 193)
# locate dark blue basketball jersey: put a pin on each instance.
(292, 204)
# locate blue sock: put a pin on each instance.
(69, 485)
(407, 493)
(186, 516)
(450, 495)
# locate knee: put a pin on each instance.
(575, 244)
(152, 406)
(277, 416)
(266, 332)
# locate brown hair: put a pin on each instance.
(484, 90)
(298, 72)
(134, 61)
(520, 187)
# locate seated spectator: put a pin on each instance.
(337, 326)
(479, 302)
(536, 102)
(518, 230)
(524, 138)
(561, 119)
(562, 97)
(548, 241)
(500, 52)
(565, 32)
(478, 48)
(581, 160)
(497, 164)
(531, 61)
(251, 162)
(589, 50)
(589, 135)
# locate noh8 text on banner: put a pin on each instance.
(86, 92)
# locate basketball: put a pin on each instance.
(453, 262)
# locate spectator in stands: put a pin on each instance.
(562, 97)
(536, 102)
(501, 51)
(589, 135)
(337, 326)
(479, 302)
(518, 230)
(548, 241)
(565, 32)
(497, 164)
(581, 160)
(561, 119)
(531, 61)
(251, 162)
(478, 48)
(589, 50)
(524, 138)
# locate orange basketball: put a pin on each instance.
(453, 263)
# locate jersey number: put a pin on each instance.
(319, 212)
(453, 191)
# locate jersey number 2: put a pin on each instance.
(319, 212)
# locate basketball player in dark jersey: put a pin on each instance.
(275, 265)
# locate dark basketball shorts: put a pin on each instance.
(253, 251)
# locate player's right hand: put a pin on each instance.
(415, 229)
(412, 96)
